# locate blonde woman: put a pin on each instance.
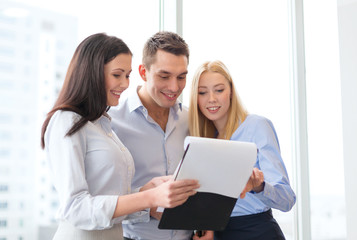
(216, 111)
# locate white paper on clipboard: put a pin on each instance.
(221, 166)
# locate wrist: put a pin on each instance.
(150, 197)
(260, 188)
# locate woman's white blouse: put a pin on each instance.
(89, 169)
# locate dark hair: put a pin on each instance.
(166, 41)
(83, 90)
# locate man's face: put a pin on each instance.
(166, 78)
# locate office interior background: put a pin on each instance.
(293, 61)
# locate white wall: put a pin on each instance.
(347, 14)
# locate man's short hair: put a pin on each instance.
(167, 41)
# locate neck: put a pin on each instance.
(221, 128)
(159, 114)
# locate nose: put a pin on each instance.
(173, 85)
(212, 97)
(125, 83)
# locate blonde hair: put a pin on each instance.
(199, 125)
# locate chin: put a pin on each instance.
(209, 117)
(170, 105)
(166, 104)
(113, 104)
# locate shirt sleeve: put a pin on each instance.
(66, 156)
(277, 192)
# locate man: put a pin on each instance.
(152, 124)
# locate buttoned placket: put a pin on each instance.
(105, 126)
(170, 127)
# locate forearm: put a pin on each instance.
(135, 202)
(278, 196)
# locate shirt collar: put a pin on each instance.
(105, 117)
(177, 106)
(105, 114)
(134, 101)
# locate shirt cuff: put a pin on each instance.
(135, 190)
(103, 211)
(267, 193)
(138, 217)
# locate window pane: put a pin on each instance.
(328, 209)
(252, 39)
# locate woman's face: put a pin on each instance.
(117, 74)
(214, 97)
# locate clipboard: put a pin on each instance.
(222, 168)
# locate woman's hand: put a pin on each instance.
(206, 235)
(156, 181)
(255, 183)
(172, 193)
(161, 191)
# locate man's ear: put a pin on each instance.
(142, 72)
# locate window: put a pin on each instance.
(7, 51)
(5, 135)
(328, 207)
(6, 34)
(4, 153)
(6, 68)
(3, 223)
(21, 223)
(5, 118)
(3, 205)
(4, 188)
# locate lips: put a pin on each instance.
(170, 96)
(213, 109)
(116, 93)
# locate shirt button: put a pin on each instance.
(110, 134)
(122, 149)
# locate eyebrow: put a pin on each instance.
(120, 69)
(213, 86)
(166, 72)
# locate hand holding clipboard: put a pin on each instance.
(222, 168)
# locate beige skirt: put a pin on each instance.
(66, 231)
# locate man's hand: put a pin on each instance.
(206, 235)
(155, 214)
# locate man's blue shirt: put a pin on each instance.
(155, 152)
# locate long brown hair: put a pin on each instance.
(83, 90)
